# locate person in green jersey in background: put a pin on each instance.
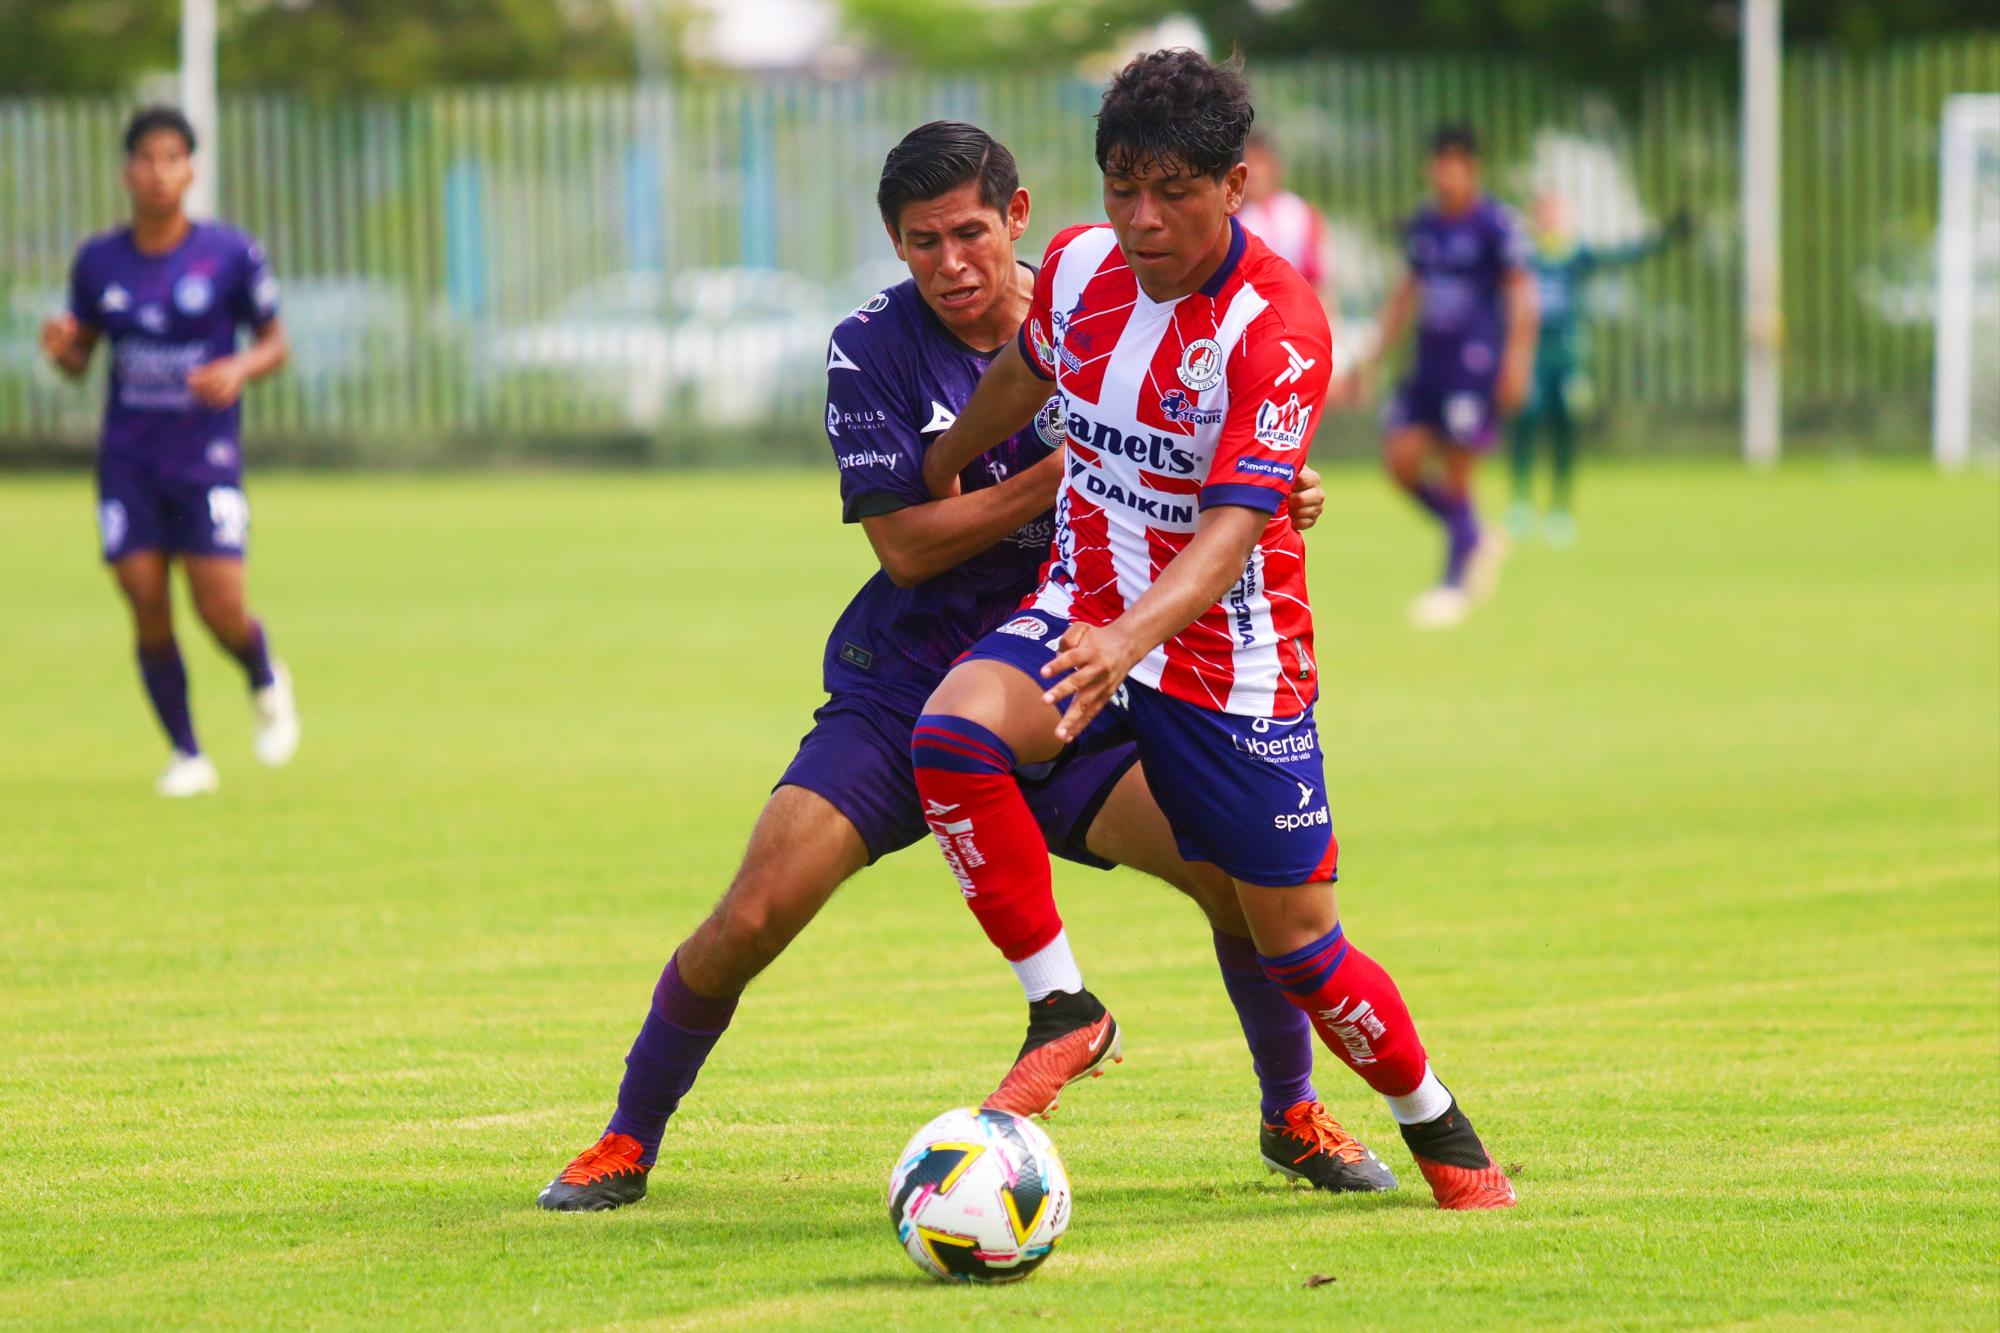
(1563, 267)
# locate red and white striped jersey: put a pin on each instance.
(1173, 407)
(1293, 229)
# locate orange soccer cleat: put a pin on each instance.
(1070, 1035)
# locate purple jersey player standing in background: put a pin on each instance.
(1469, 285)
(898, 371)
(170, 294)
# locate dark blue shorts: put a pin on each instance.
(1247, 794)
(858, 757)
(1463, 414)
(139, 508)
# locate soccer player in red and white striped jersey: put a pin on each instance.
(1194, 364)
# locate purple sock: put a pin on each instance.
(679, 1032)
(256, 658)
(1461, 527)
(166, 680)
(1434, 498)
(1279, 1035)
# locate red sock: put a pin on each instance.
(1356, 1009)
(965, 775)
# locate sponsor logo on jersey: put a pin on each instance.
(1296, 370)
(1179, 410)
(116, 299)
(868, 458)
(874, 419)
(1264, 467)
(1292, 823)
(1155, 453)
(1300, 743)
(194, 293)
(1282, 427)
(1201, 365)
(1243, 594)
(1026, 627)
(1038, 338)
(873, 305)
(1165, 510)
(1049, 422)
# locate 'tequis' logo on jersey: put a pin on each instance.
(1176, 408)
(1282, 427)
(1201, 365)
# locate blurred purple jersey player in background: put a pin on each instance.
(1474, 299)
(899, 369)
(170, 294)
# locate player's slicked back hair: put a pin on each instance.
(1174, 111)
(939, 157)
(147, 119)
(1454, 137)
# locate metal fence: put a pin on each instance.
(469, 270)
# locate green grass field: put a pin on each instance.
(1686, 852)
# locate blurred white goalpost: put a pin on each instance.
(1965, 411)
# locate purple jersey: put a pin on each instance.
(163, 315)
(896, 378)
(1461, 265)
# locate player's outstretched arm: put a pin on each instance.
(68, 342)
(923, 541)
(1192, 582)
(1006, 399)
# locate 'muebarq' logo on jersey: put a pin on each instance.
(1178, 409)
(193, 293)
(1026, 627)
(1201, 365)
(1282, 427)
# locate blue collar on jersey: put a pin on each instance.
(1237, 241)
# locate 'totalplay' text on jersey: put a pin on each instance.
(1171, 407)
(164, 315)
(896, 379)
(1461, 262)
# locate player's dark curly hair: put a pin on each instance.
(1175, 111)
(939, 157)
(147, 119)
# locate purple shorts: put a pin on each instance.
(140, 508)
(1462, 415)
(1247, 794)
(858, 757)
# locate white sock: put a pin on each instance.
(1049, 969)
(1422, 1104)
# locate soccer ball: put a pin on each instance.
(979, 1196)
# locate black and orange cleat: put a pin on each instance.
(1311, 1146)
(606, 1175)
(1070, 1036)
(1456, 1165)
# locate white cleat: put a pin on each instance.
(188, 775)
(1482, 567)
(1440, 608)
(277, 718)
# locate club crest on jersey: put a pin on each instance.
(1201, 365)
(873, 305)
(1026, 627)
(1049, 422)
(193, 293)
(1282, 427)
(1178, 409)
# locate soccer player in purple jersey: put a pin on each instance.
(899, 369)
(1468, 285)
(170, 293)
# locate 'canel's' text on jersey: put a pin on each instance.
(896, 379)
(1170, 408)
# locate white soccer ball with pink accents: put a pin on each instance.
(979, 1196)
